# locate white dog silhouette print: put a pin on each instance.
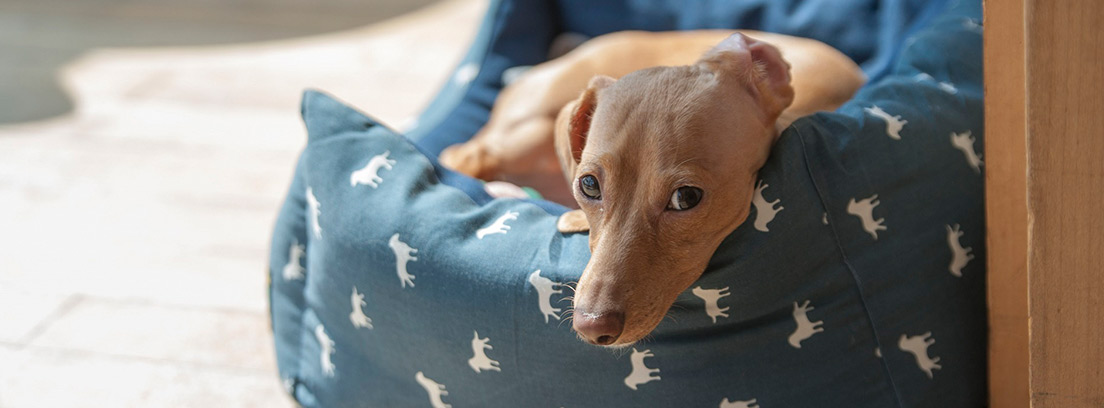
(403, 254)
(466, 73)
(959, 256)
(314, 210)
(357, 316)
(640, 373)
(894, 124)
(711, 296)
(764, 211)
(805, 328)
(725, 403)
(294, 268)
(369, 175)
(965, 143)
(498, 226)
(545, 289)
(972, 25)
(864, 209)
(948, 88)
(479, 360)
(327, 346)
(944, 86)
(918, 346)
(435, 390)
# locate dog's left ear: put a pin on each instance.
(572, 221)
(756, 64)
(573, 124)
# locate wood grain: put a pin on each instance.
(1006, 206)
(1065, 106)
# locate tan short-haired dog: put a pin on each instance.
(661, 162)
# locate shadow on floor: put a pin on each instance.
(38, 37)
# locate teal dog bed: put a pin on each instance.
(857, 280)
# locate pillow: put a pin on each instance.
(858, 279)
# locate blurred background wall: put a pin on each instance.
(38, 37)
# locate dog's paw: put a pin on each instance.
(573, 222)
(470, 159)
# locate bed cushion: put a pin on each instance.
(518, 33)
(858, 279)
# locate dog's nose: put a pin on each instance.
(599, 328)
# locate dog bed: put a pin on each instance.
(857, 280)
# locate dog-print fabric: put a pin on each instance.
(857, 279)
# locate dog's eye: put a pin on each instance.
(589, 186)
(684, 198)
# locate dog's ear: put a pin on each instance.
(573, 124)
(756, 64)
(572, 222)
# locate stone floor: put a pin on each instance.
(135, 215)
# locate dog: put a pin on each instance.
(660, 163)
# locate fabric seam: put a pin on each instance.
(847, 263)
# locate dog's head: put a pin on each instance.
(662, 164)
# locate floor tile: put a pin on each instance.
(26, 311)
(206, 337)
(51, 378)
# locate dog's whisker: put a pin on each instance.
(570, 285)
(622, 351)
(566, 316)
(671, 316)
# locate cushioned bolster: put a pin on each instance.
(928, 190)
(857, 280)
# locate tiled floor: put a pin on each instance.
(134, 228)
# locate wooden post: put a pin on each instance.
(1044, 154)
(1006, 202)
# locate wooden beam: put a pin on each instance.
(1006, 202)
(1044, 152)
(1065, 172)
